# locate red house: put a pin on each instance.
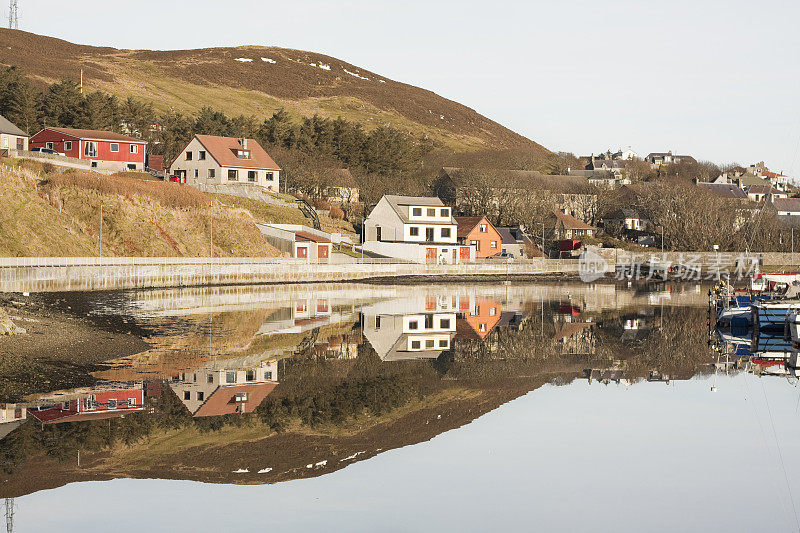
(106, 150)
(93, 404)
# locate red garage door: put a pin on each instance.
(302, 252)
(430, 255)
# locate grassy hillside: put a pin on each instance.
(59, 215)
(252, 80)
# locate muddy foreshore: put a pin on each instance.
(61, 345)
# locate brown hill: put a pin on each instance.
(253, 80)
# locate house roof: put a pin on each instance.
(7, 127)
(749, 179)
(224, 149)
(523, 180)
(791, 205)
(570, 222)
(58, 416)
(726, 190)
(625, 212)
(467, 224)
(759, 189)
(769, 174)
(401, 204)
(600, 164)
(666, 154)
(95, 135)
(222, 402)
(305, 236)
(509, 235)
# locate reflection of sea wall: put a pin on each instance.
(204, 300)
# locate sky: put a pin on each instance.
(715, 79)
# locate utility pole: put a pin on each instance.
(13, 15)
(212, 228)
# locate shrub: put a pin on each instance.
(48, 168)
(320, 203)
(336, 213)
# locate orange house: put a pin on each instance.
(479, 232)
(483, 316)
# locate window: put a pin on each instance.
(49, 146)
(230, 377)
(428, 321)
(417, 212)
(443, 343)
(250, 375)
(200, 396)
(270, 176)
(415, 345)
(252, 175)
(431, 212)
(243, 154)
(65, 406)
(131, 402)
(134, 148)
(268, 375)
(444, 323)
(94, 164)
(67, 146)
(187, 395)
(188, 156)
(430, 343)
(211, 378)
(240, 397)
(445, 233)
(378, 233)
(413, 231)
(429, 234)
(112, 403)
(233, 175)
(493, 244)
(20, 143)
(444, 213)
(114, 147)
(194, 378)
(413, 324)
(212, 173)
(483, 228)
(201, 155)
(482, 327)
(378, 322)
(492, 311)
(196, 173)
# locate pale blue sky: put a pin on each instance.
(717, 79)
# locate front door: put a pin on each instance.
(429, 234)
(455, 256)
(430, 255)
(464, 253)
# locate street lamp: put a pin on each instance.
(101, 226)
(212, 228)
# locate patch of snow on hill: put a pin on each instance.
(243, 60)
(323, 66)
(356, 75)
(268, 60)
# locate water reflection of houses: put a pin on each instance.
(12, 415)
(420, 328)
(106, 400)
(226, 386)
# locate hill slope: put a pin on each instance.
(257, 81)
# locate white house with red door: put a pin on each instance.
(105, 149)
(419, 229)
(300, 242)
(209, 160)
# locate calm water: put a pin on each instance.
(365, 407)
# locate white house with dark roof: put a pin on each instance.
(209, 160)
(12, 138)
(787, 208)
(419, 229)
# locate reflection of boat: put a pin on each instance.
(771, 344)
(737, 312)
(771, 314)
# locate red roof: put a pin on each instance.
(58, 416)
(224, 150)
(467, 224)
(223, 400)
(95, 135)
(304, 236)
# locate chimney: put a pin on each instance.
(244, 143)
